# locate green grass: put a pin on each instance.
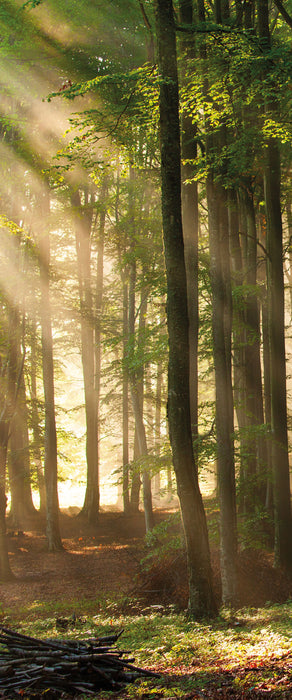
(243, 650)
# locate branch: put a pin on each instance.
(146, 20)
(149, 29)
(283, 12)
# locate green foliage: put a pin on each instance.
(32, 3)
(243, 653)
(163, 540)
(230, 100)
(127, 112)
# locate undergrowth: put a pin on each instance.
(237, 652)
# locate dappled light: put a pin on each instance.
(145, 347)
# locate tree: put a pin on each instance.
(50, 469)
(201, 596)
(83, 210)
(275, 277)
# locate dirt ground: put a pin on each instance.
(95, 560)
(105, 560)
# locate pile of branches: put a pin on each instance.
(34, 666)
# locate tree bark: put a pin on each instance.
(5, 569)
(137, 395)
(276, 321)
(125, 475)
(35, 421)
(190, 223)
(19, 463)
(201, 596)
(157, 424)
(83, 223)
(136, 479)
(98, 314)
(221, 325)
(256, 462)
(51, 475)
(283, 529)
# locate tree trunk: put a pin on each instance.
(257, 457)
(125, 475)
(157, 425)
(125, 369)
(136, 479)
(201, 596)
(19, 463)
(276, 321)
(283, 540)
(5, 570)
(35, 423)
(98, 312)
(190, 222)
(239, 334)
(137, 395)
(9, 387)
(83, 223)
(221, 325)
(51, 477)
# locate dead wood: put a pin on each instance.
(72, 667)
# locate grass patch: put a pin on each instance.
(236, 653)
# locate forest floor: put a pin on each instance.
(105, 560)
(99, 574)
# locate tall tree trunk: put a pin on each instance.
(83, 224)
(136, 479)
(98, 312)
(201, 596)
(283, 529)
(257, 453)
(239, 335)
(35, 422)
(125, 475)
(190, 222)
(51, 472)
(125, 370)
(221, 325)
(157, 424)
(9, 387)
(5, 569)
(19, 463)
(275, 278)
(137, 395)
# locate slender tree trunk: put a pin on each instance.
(98, 313)
(283, 529)
(257, 457)
(35, 423)
(275, 278)
(201, 596)
(137, 395)
(157, 425)
(83, 223)
(19, 465)
(125, 476)
(221, 324)
(8, 392)
(5, 569)
(239, 334)
(190, 222)
(125, 387)
(51, 475)
(136, 479)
